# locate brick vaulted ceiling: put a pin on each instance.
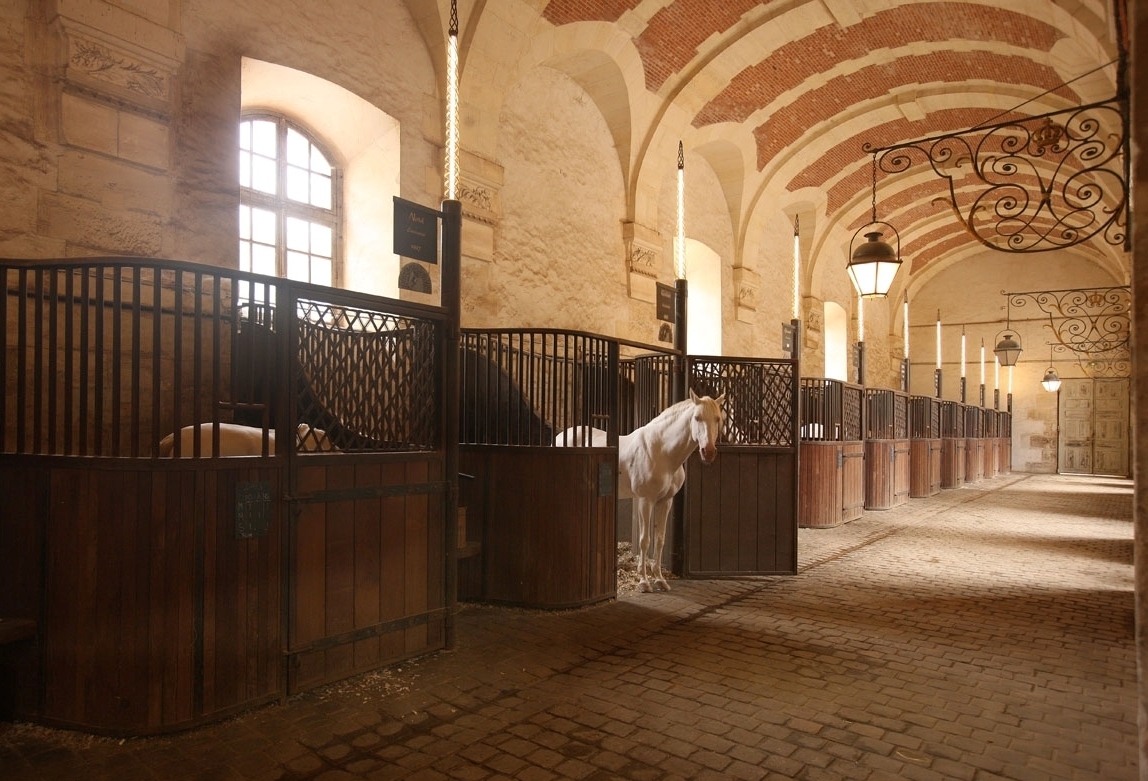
(815, 80)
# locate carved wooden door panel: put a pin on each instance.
(1094, 427)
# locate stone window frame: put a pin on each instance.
(285, 207)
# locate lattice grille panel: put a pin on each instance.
(760, 404)
(952, 420)
(368, 378)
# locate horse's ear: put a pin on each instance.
(693, 396)
(720, 399)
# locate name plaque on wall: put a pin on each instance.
(416, 231)
(665, 302)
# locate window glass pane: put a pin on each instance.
(264, 138)
(320, 191)
(244, 222)
(297, 184)
(245, 135)
(321, 271)
(298, 148)
(298, 266)
(244, 169)
(263, 226)
(244, 255)
(263, 174)
(263, 260)
(297, 234)
(320, 240)
(319, 163)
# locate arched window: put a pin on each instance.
(288, 203)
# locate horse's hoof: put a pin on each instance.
(644, 587)
(663, 585)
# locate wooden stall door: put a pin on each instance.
(741, 514)
(365, 564)
(1094, 427)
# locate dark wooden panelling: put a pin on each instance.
(822, 485)
(953, 462)
(365, 565)
(153, 616)
(741, 514)
(547, 537)
(974, 459)
(1004, 464)
(992, 457)
(852, 481)
(925, 463)
(886, 473)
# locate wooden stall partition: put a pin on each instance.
(887, 451)
(1004, 437)
(365, 564)
(161, 596)
(974, 444)
(367, 548)
(925, 446)
(741, 511)
(156, 611)
(831, 487)
(540, 519)
(953, 444)
(544, 522)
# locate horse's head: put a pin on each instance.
(705, 424)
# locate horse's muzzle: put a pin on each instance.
(708, 454)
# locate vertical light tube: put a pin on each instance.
(938, 338)
(450, 173)
(982, 361)
(796, 271)
(905, 324)
(962, 352)
(680, 240)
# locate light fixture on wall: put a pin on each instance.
(1051, 381)
(873, 263)
(1008, 349)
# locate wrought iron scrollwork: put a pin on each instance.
(1043, 183)
(1092, 323)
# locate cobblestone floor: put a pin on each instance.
(985, 633)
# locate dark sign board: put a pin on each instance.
(416, 231)
(787, 334)
(252, 509)
(666, 296)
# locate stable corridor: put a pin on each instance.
(985, 633)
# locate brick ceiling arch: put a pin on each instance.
(802, 77)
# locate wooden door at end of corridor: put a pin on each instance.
(1094, 427)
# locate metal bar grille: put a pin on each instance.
(525, 387)
(104, 357)
(830, 410)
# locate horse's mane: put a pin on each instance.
(677, 408)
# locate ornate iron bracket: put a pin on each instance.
(1032, 185)
(1092, 323)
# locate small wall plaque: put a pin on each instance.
(665, 304)
(416, 231)
(252, 509)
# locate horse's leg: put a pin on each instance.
(659, 517)
(642, 506)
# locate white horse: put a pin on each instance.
(237, 440)
(651, 469)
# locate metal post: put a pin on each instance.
(937, 383)
(680, 386)
(450, 298)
